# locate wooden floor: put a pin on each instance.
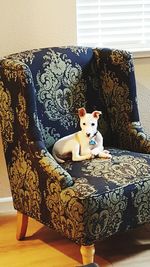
(45, 248)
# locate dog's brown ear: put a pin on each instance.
(96, 114)
(81, 112)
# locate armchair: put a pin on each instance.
(40, 93)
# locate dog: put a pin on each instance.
(84, 144)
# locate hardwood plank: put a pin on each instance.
(41, 248)
(45, 248)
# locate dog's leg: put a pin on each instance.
(102, 154)
(76, 154)
(80, 158)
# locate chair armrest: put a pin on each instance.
(47, 165)
(117, 86)
(23, 145)
(135, 139)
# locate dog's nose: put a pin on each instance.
(88, 134)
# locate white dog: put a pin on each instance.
(84, 144)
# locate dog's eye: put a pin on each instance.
(84, 123)
(93, 124)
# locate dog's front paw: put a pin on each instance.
(90, 156)
(108, 156)
(105, 154)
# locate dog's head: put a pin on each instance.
(88, 121)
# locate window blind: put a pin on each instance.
(114, 23)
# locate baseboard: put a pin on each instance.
(6, 205)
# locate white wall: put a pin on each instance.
(4, 183)
(142, 72)
(27, 24)
(5, 194)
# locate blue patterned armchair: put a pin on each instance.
(40, 93)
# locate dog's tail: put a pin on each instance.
(56, 157)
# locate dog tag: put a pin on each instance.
(92, 142)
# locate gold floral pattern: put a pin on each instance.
(142, 201)
(84, 188)
(136, 139)
(61, 202)
(113, 205)
(24, 183)
(119, 92)
(14, 70)
(117, 99)
(21, 111)
(123, 59)
(72, 212)
(49, 165)
(6, 112)
(121, 170)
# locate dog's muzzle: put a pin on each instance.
(89, 135)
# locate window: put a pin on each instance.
(114, 23)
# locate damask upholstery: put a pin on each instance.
(40, 93)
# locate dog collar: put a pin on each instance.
(92, 140)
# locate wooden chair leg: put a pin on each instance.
(22, 223)
(87, 253)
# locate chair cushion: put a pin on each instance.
(123, 169)
(115, 193)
